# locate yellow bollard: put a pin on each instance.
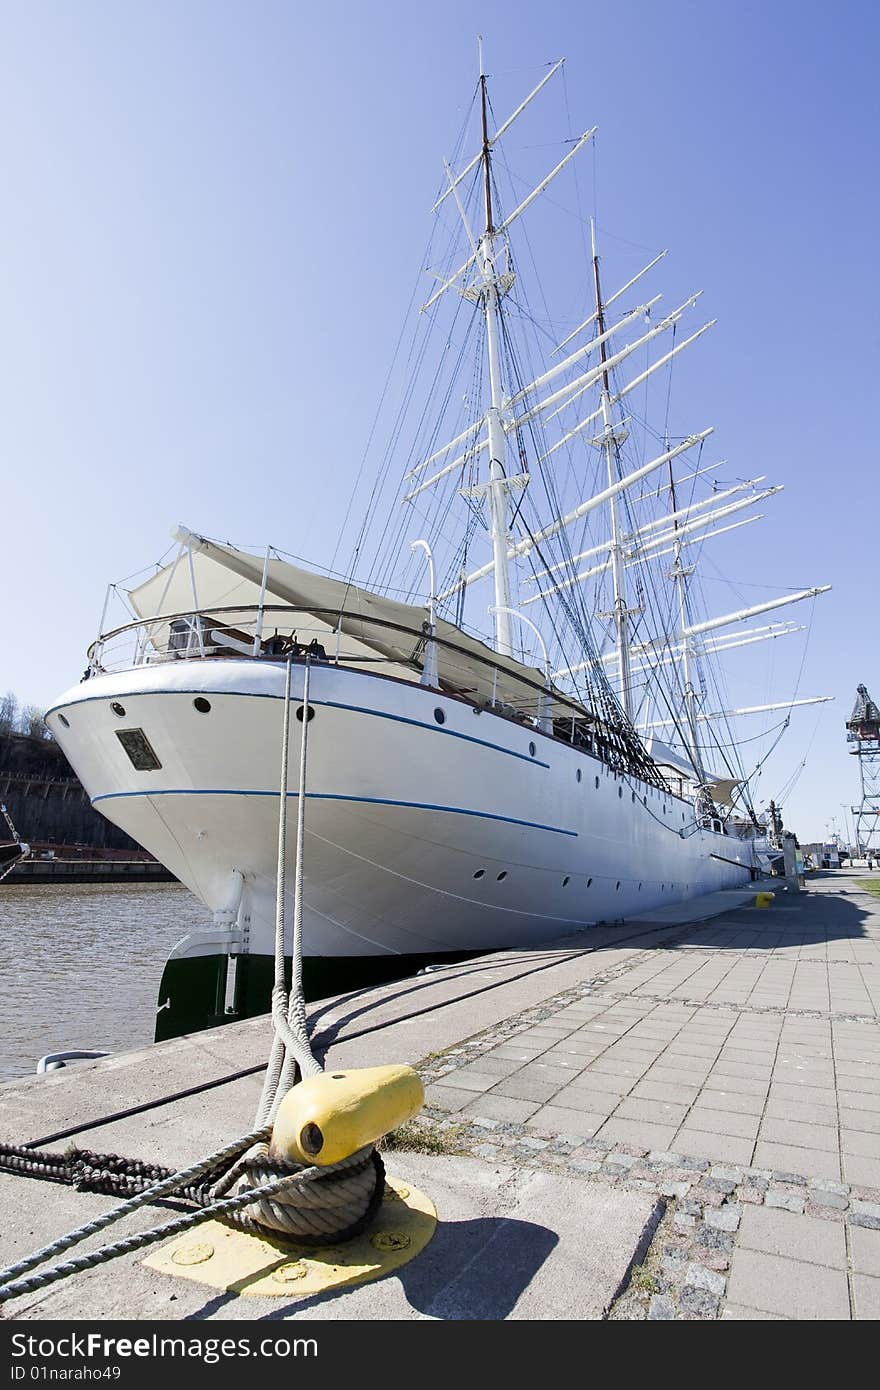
(328, 1117)
(764, 899)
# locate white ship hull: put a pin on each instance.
(422, 838)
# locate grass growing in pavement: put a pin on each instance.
(424, 1137)
(870, 885)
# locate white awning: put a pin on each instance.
(228, 578)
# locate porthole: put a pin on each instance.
(440, 716)
(633, 795)
(118, 709)
(532, 750)
(577, 775)
(480, 873)
(640, 888)
(620, 791)
(589, 883)
(617, 889)
(597, 784)
(501, 876)
(566, 881)
(299, 713)
(63, 719)
(202, 705)
(644, 801)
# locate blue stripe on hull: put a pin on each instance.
(330, 796)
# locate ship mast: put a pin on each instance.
(498, 485)
(680, 573)
(609, 441)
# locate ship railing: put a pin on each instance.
(276, 632)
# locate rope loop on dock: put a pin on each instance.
(335, 1205)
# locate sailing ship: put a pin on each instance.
(465, 790)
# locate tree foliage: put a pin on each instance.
(21, 719)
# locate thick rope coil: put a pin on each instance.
(334, 1206)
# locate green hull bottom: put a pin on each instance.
(198, 992)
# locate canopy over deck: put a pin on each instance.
(221, 577)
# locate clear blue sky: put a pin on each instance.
(213, 214)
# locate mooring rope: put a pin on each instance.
(227, 1207)
(313, 1205)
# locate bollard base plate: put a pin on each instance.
(234, 1261)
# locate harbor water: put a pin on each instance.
(80, 966)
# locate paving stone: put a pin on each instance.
(501, 1108)
(860, 1144)
(722, 1185)
(735, 1313)
(723, 1147)
(803, 1095)
(448, 1097)
(713, 1239)
(862, 1208)
(811, 1163)
(699, 1302)
(588, 1102)
(827, 1185)
(871, 1223)
(491, 1064)
(655, 1111)
(522, 1088)
(865, 1250)
(734, 1175)
(621, 1159)
(723, 1122)
(584, 1165)
(489, 1152)
(811, 1136)
(865, 1121)
(466, 1079)
(693, 1164)
(672, 1187)
(788, 1287)
(699, 1277)
(631, 1131)
(726, 1218)
(751, 1194)
(866, 1296)
(737, 1085)
(571, 1122)
(802, 1113)
(786, 1201)
(862, 1171)
(798, 1237)
(828, 1199)
(661, 1308)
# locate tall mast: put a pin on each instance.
(610, 440)
(498, 486)
(680, 574)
